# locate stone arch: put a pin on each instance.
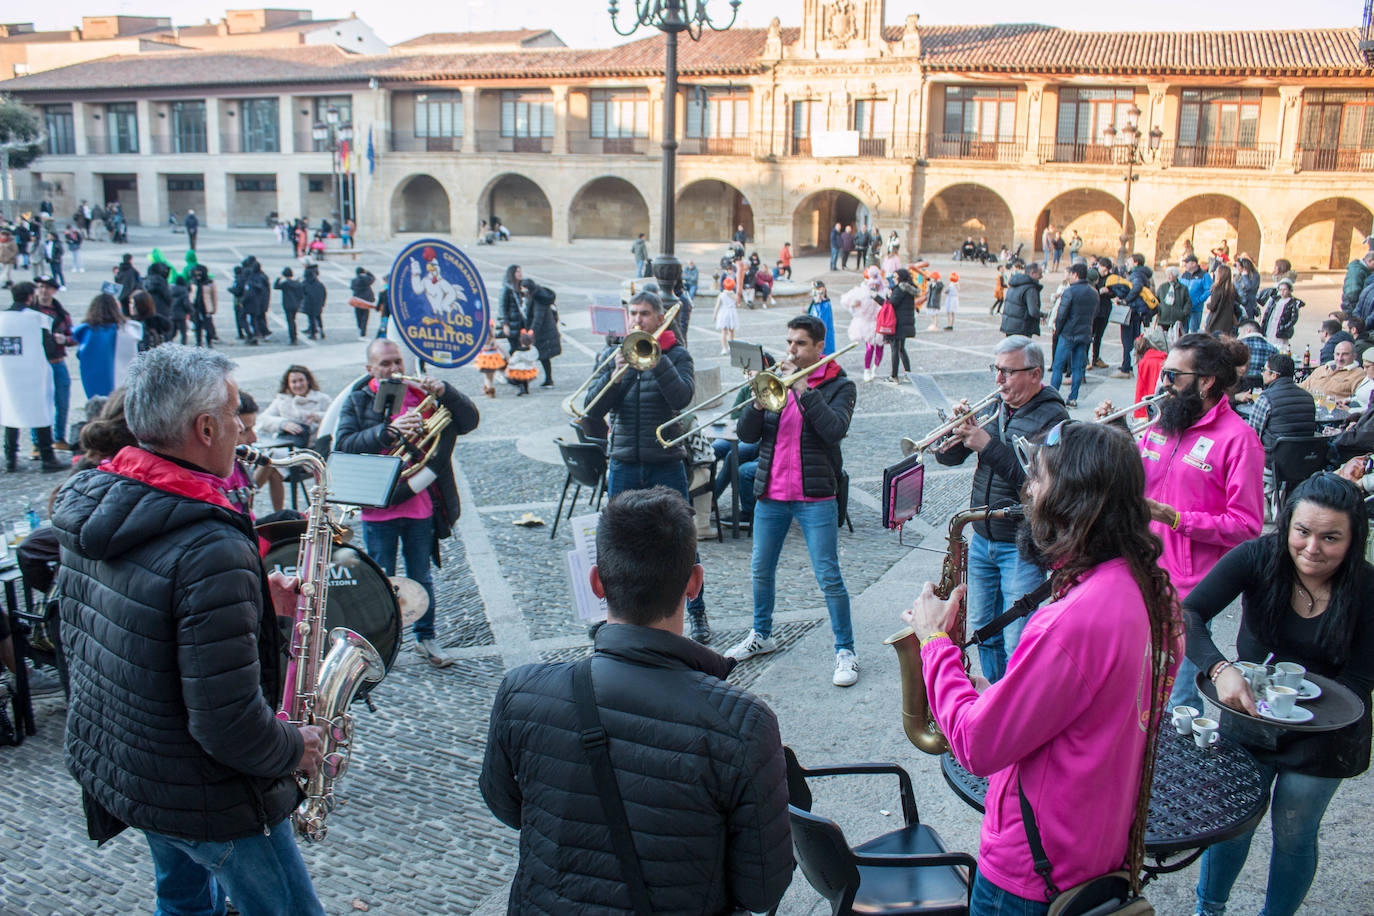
(821, 210)
(709, 210)
(608, 208)
(1207, 219)
(519, 203)
(420, 204)
(964, 210)
(1094, 213)
(1327, 234)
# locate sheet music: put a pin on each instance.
(581, 559)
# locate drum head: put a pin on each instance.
(360, 597)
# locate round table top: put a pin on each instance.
(1199, 797)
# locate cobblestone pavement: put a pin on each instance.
(412, 834)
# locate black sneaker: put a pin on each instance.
(700, 630)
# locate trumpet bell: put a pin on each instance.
(909, 446)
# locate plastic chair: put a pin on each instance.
(907, 871)
(1293, 459)
(586, 464)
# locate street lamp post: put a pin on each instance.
(333, 134)
(670, 17)
(1130, 143)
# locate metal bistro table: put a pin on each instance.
(1199, 797)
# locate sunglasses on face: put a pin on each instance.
(1171, 375)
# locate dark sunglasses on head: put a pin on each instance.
(1026, 450)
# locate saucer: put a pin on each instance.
(1308, 691)
(1298, 716)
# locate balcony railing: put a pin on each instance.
(1053, 149)
(405, 141)
(491, 141)
(1336, 160)
(581, 144)
(173, 145)
(970, 146)
(715, 146)
(1219, 156)
(100, 145)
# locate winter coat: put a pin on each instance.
(1142, 278)
(1199, 288)
(1247, 285)
(1356, 273)
(161, 291)
(363, 431)
(361, 287)
(1174, 303)
(1287, 319)
(826, 410)
(307, 411)
(543, 321)
(292, 293)
(191, 223)
(9, 252)
(173, 654)
(128, 279)
(903, 299)
(863, 327)
(1074, 320)
(999, 477)
(314, 293)
(512, 315)
(1021, 306)
(701, 772)
(642, 400)
(1221, 315)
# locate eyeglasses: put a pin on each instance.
(1171, 375)
(999, 371)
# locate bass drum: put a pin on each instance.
(360, 596)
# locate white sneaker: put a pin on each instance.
(846, 668)
(432, 652)
(752, 645)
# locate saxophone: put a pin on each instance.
(319, 686)
(918, 723)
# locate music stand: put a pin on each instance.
(903, 492)
(747, 356)
(362, 480)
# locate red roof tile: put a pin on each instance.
(508, 36)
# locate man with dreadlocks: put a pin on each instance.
(1087, 686)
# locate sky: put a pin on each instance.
(586, 24)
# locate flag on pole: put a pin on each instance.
(371, 155)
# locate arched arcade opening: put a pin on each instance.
(608, 208)
(1095, 215)
(817, 215)
(1328, 234)
(420, 204)
(520, 205)
(1206, 220)
(961, 211)
(711, 211)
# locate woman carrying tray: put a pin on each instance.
(1307, 596)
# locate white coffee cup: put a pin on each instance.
(1205, 732)
(1281, 700)
(1183, 719)
(1290, 674)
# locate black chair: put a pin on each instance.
(907, 871)
(586, 464)
(1293, 459)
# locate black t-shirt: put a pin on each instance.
(1243, 573)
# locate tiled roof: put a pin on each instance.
(305, 64)
(509, 36)
(1023, 46)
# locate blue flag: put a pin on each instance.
(371, 156)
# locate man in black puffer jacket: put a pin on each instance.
(697, 763)
(1021, 305)
(639, 403)
(997, 575)
(800, 475)
(157, 285)
(172, 647)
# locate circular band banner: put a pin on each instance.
(439, 303)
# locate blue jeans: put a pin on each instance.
(1195, 319)
(62, 397)
(263, 873)
(1073, 357)
(997, 577)
(748, 466)
(691, 289)
(416, 537)
(625, 475)
(819, 521)
(990, 900)
(1184, 692)
(1295, 812)
(834, 257)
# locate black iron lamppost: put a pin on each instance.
(332, 134)
(670, 17)
(1130, 144)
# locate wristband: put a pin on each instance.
(938, 634)
(1178, 517)
(1218, 668)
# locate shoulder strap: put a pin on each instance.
(597, 749)
(1022, 607)
(1042, 861)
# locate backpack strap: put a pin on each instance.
(597, 748)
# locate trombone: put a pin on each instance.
(769, 388)
(1151, 407)
(941, 436)
(641, 351)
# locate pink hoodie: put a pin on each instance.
(1069, 718)
(1213, 474)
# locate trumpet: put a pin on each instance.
(418, 450)
(641, 351)
(983, 412)
(769, 388)
(1150, 405)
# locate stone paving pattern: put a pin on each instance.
(412, 834)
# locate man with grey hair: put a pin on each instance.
(997, 574)
(169, 626)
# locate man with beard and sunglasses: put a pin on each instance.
(1204, 471)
